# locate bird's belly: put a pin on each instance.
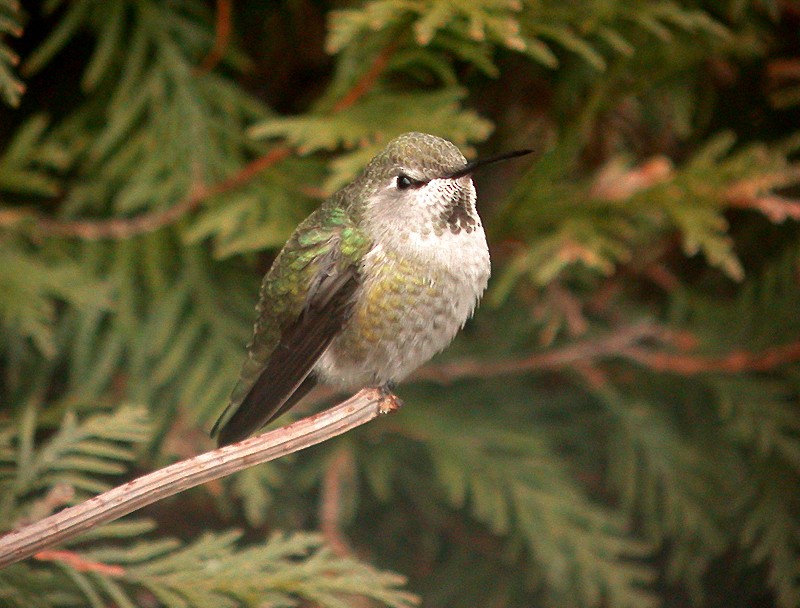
(406, 312)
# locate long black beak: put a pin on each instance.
(474, 165)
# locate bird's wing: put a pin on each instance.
(327, 306)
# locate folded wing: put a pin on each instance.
(286, 375)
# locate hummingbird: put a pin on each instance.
(370, 286)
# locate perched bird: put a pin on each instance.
(370, 286)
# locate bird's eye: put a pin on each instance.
(404, 182)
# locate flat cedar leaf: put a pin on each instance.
(23, 147)
(261, 217)
(764, 531)
(81, 449)
(11, 87)
(109, 41)
(568, 40)
(379, 116)
(68, 26)
(491, 20)
(256, 486)
(705, 230)
(515, 483)
(286, 570)
(24, 586)
(128, 527)
(541, 52)
(27, 165)
(616, 41)
(30, 287)
(376, 119)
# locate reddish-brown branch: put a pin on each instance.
(79, 563)
(625, 344)
(580, 351)
(367, 80)
(122, 228)
(339, 466)
(735, 362)
(222, 36)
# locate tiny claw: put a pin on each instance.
(388, 402)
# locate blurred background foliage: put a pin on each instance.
(618, 426)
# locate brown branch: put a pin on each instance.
(78, 562)
(222, 36)
(123, 228)
(368, 79)
(616, 182)
(613, 344)
(339, 466)
(359, 409)
(622, 343)
(735, 362)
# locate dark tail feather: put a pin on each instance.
(248, 418)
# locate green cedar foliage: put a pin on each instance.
(618, 426)
(11, 88)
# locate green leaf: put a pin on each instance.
(284, 571)
(31, 287)
(11, 87)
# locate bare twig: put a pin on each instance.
(78, 562)
(734, 362)
(368, 79)
(359, 409)
(123, 228)
(580, 351)
(222, 36)
(339, 467)
(624, 343)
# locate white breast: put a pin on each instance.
(417, 293)
(420, 283)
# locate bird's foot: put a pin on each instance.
(388, 402)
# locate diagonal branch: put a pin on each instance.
(364, 84)
(613, 344)
(625, 343)
(733, 362)
(123, 228)
(366, 405)
(222, 36)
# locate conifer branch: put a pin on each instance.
(614, 344)
(622, 343)
(366, 405)
(125, 228)
(757, 194)
(734, 362)
(368, 79)
(340, 464)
